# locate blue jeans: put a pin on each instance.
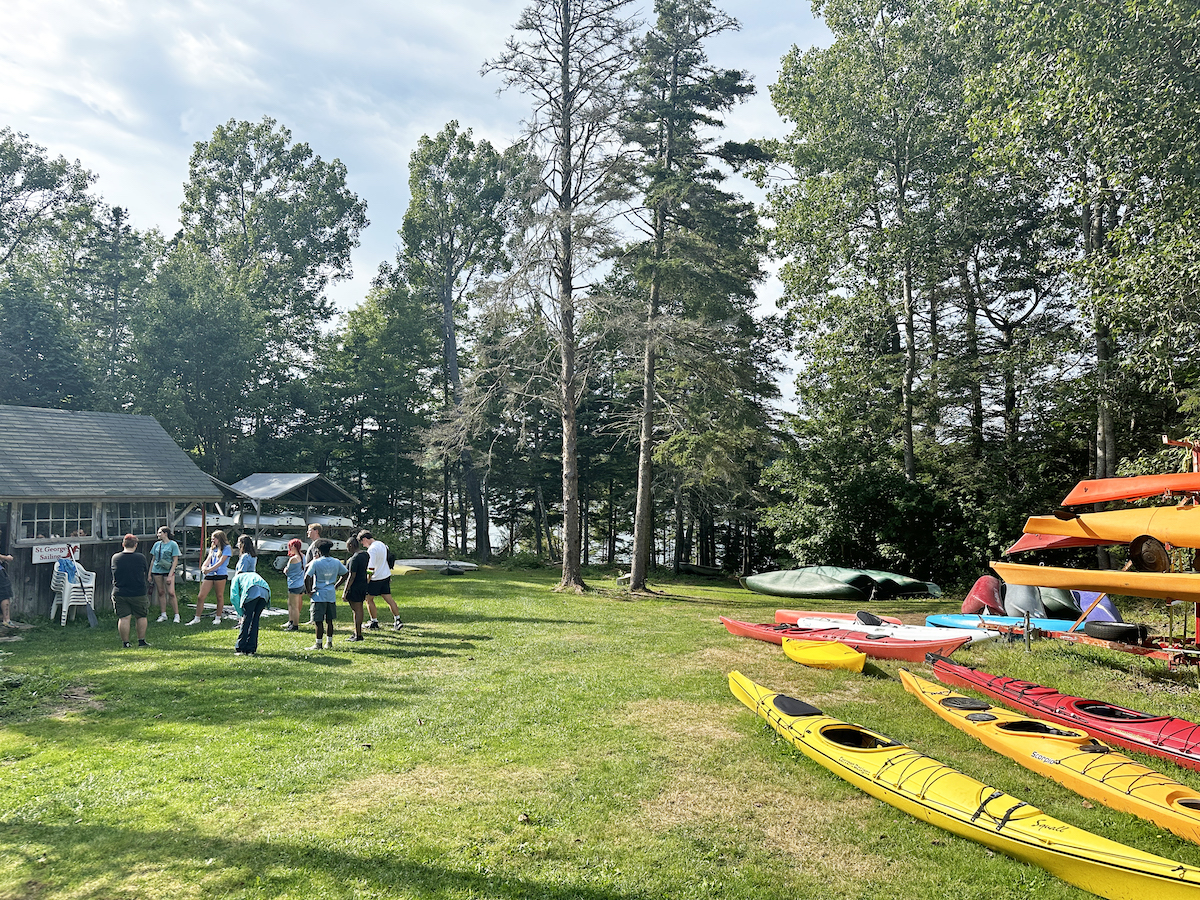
(252, 610)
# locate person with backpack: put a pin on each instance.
(379, 579)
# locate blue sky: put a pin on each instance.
(127, 87)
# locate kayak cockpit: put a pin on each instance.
(856, 738)
(1114, 713)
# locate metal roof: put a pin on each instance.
(294, 487)
(56, 453)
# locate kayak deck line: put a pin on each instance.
(1068, 755)
(933, 792)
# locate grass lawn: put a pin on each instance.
(510, 742)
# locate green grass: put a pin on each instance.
(511, 742)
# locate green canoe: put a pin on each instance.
(837, 583)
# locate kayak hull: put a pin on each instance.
(984, 596)
(928, 790)
(1104, 490)
(1069, 756)
(909, 632)
(791, 616)
(837, 583)
(1177, 525)
(1160, 585)
(999, 623)
(824, 655)
(1167, 737)
(877, 647)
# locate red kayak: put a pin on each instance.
(879, 646)
(1165, 736)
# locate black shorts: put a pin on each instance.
(216, 577)
(138, 607)
(380, 587)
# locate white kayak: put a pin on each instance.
(902, 632)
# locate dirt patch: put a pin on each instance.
(75, 700)
(787, 821)
(684, 722)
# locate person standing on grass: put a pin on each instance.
(294, 573)
(325, 572)
(215, 572)
(250, 593)
(164, 557)
(314, 535)
(5, 592)
(355, 591)
(379, 579)
(247, 561)
(130, 573)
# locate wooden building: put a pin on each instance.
(79, 482)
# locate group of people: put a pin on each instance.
(364, 577)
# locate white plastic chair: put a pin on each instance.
(68, 592)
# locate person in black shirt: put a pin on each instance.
(355, 591)
(131, 575)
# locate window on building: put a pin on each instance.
(140, 519)
(48, 521)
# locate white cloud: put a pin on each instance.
(127, 86)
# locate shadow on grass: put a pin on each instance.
(105, 861)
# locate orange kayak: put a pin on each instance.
(1175, 525)
(1159, 585)
(1103, 490)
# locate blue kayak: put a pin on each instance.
(963, 621)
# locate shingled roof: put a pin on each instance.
(56, 453)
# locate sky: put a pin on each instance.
(128, 86)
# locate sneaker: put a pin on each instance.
(216, 620)
(397, 625)
(162, 618)
(316, 646)
(142, 643)
(329, 645)
(355, 637)
(373, 625)
(291, 626)
(176, 618)
(195, 621)
(239, 653)
(126, 645)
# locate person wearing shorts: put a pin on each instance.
(379, 579)
(294, 573)
(6, 593)
(215, 570)
(130, 573)
(355, 591)
(164, 557)
(325, 572)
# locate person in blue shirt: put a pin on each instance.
(294, 572)
(324, 572)
(247, 561)
(249, 592)
(164, 557)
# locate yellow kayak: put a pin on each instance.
(1161, 585)
(1177, 525)
(929, 790)
(824, 654)
(1069, 756)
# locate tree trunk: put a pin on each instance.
(974, 369)
(910, 373)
